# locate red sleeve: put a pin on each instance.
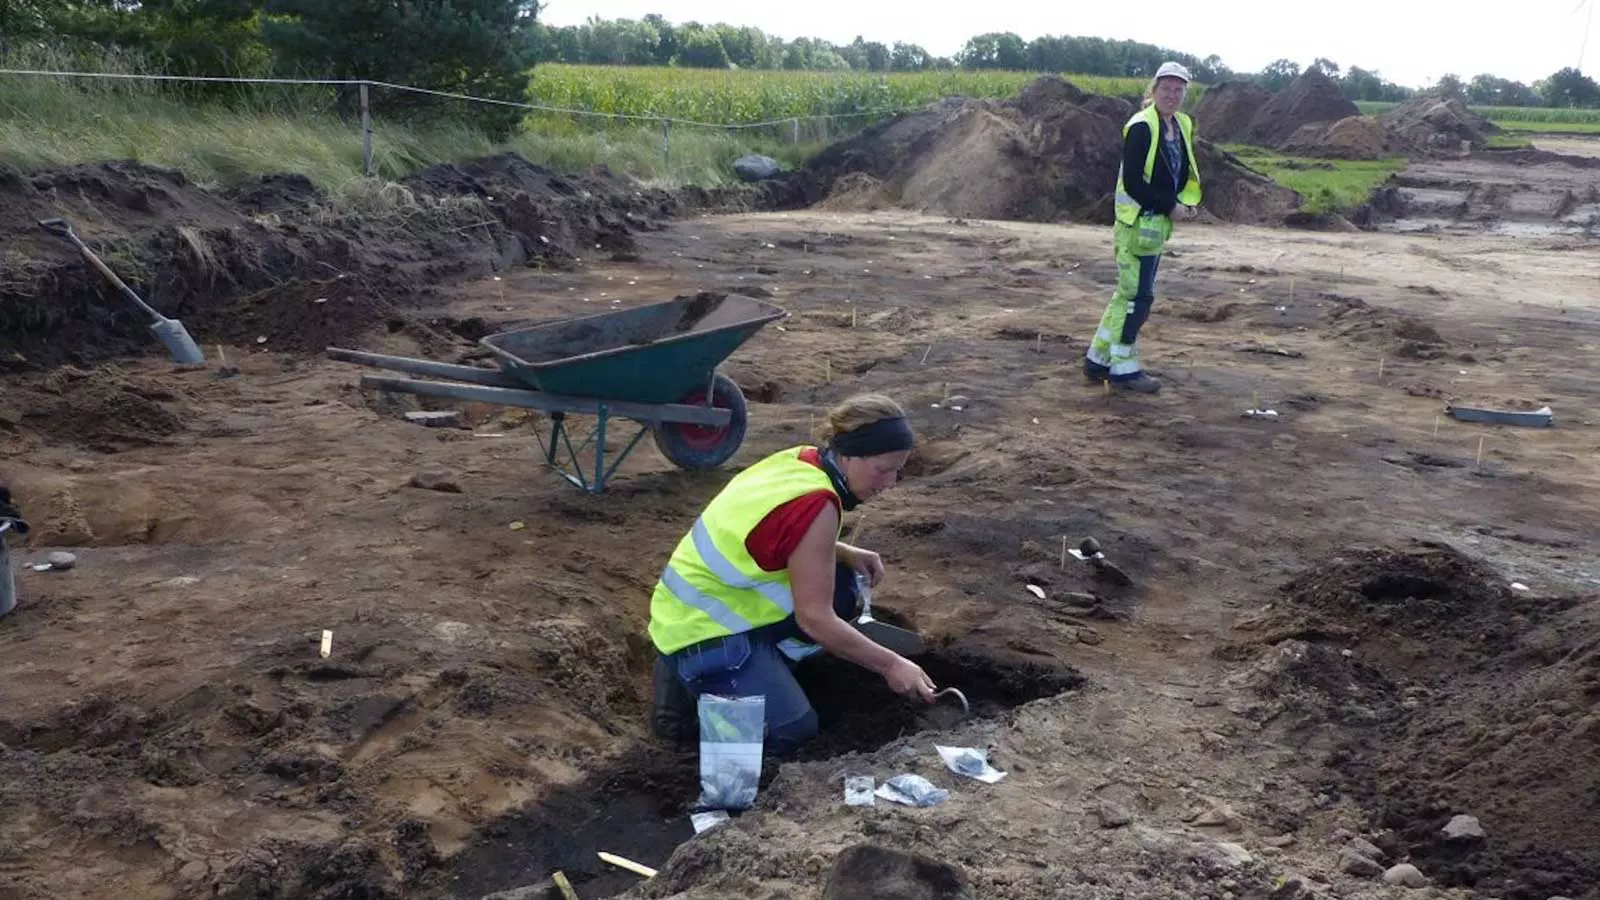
(772, 541)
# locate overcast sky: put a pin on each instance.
(1410, 42)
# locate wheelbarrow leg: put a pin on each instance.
(600, 451)
(556, 433)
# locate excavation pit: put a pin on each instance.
(639, 806)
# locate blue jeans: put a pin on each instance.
(747, 664)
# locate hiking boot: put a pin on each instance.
(1139, 384)
(1095, 372)
(674, 714)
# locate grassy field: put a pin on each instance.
(48, 122)
(1329, 185)
(1519, 118)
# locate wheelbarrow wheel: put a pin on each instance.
(701, 446)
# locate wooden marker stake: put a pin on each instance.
(1063, 551)
(1479, 463)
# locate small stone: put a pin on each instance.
(1216, 815)
(1353, 863)
(1223, 855)
(1112, 815)
(72, 679)
(436, 480)
(1463, 828)
(442, 418)
(62, 560)
(1089, 636)
(1366, 848)
(1405, 875)
(1281, 840)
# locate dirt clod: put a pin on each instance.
(871, 872)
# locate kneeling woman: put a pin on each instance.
(762, 579)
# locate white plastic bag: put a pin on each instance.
(731, 734)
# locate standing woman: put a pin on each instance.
(1158, 173)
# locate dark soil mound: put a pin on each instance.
(1513, 746)
(1050, 154)
(277, 263)
(1402, 599)
(1454, 696)
(1437, 124)
(1226, 111)
(1309, 99)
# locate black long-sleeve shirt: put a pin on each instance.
(1160, 193)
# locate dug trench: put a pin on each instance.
(638, 806)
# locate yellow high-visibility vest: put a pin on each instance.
(1127, 207)
(711, 587)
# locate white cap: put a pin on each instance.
(1173, 69)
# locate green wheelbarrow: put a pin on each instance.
(653, 364)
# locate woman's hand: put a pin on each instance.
(907, 679)
(863, 561)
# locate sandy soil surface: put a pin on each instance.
(1571, 145)
(1515, 193)
(1322, 662)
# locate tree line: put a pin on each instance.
(487, 48)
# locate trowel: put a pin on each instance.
(901, 641)
(1089, 551)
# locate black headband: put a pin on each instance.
(883, 436)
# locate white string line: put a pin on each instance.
(454, 96)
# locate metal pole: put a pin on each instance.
(796, 131)
(366, 132)
(666, 142)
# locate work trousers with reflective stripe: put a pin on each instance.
(8, 584)
(1114, 353)
(745, 665)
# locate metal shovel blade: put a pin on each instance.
(185, 352)
(901, 641)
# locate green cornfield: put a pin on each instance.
(744, 97)
(1516, 118)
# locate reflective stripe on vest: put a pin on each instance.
(1128, 208)
(713, 588)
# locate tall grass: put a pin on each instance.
(223, 140)
(220, 136)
